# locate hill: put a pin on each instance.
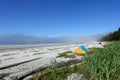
(112, 36)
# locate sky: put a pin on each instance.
(54, 18)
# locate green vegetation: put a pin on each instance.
(80, 54)
(100, 64)
(93, 50)
(64, 54)
(104, 64)
(113, 36)
(55, 73)
(69, 54)
(72, 56)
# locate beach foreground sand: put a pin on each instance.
(16, 62)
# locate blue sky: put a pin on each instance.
(59, 17)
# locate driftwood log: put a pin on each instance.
(59, 65)
(38, 70)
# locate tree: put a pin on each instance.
(112, 36)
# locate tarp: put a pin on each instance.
(84, 48)
(79, 51)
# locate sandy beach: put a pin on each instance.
(17, 61)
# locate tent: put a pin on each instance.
(83, 48)
(79, 51)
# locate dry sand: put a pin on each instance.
(17, 61)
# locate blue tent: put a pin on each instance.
(84, 48)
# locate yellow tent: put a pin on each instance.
(79, 51)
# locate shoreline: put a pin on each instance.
(27, 54)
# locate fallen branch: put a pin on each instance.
(12, 65)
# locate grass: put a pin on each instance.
(68, 54)
(55, 73)
(80, 54)
(93, 50)
(104, 64)
(72, 56)
(64, 54)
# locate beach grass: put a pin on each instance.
(64, 54)
(72, 56)
(104, 64)
(55, 73)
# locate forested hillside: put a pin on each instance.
(113, 36)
